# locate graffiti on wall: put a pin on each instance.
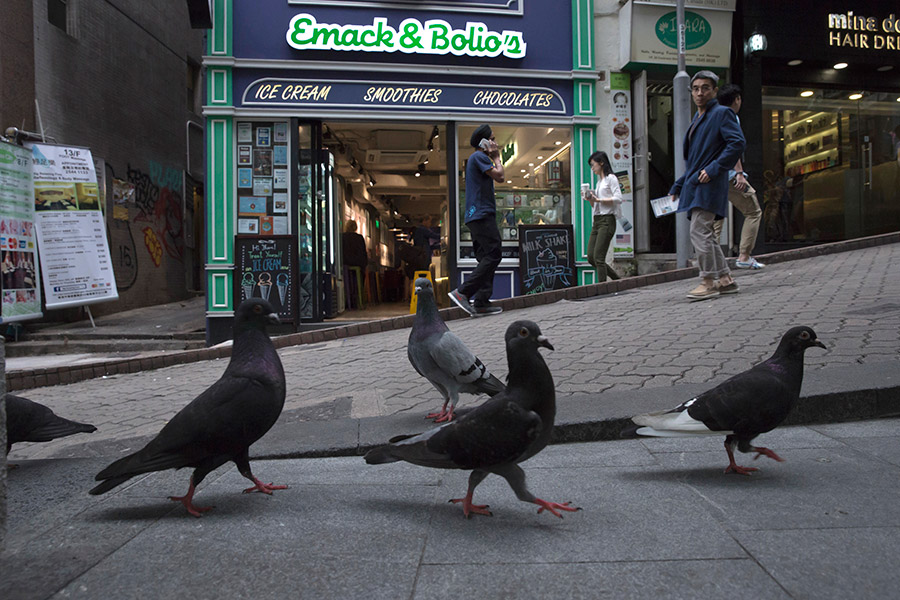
(157, 197)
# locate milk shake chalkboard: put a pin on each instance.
(546, 258)
(264, 268)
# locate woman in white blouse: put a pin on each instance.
(605, 200)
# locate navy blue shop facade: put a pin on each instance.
(821, 111)
(320, 112)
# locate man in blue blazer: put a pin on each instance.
(713, 144)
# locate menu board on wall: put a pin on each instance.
(262, 178)
(20, 288)
(546, 258)
(75, 261)
(264, 268)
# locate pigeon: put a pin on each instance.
(28, 421)
(221, 423)
(509, 428)
(440, 356)
(744, 406)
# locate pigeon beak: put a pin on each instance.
(418, 289)
(543, 341)
(272, 319)
(820, 345)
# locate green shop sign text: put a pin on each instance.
(434, 36)
(697, 30)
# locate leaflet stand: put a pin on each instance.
(87, 307)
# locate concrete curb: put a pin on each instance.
(31, 378)
(839, 394)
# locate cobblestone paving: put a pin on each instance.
(647, 337)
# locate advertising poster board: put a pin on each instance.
(620, 157)
(71, 231)
(21, 292)
(265, 268)
(546, 258)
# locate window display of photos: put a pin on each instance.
(262, 178)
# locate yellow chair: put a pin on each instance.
(359, 285)
(412, 303)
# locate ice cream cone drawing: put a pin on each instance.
(247, 284)
(282, 282)
(265, 285)
(546, 260)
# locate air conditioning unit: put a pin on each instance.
(396, 157)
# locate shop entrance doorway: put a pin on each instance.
(391, 180)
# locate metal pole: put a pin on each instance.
(681, 113)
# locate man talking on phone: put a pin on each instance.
(483, 168)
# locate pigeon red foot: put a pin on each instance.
(734, 467)
(554, 506)
(442, 416)
(187, 501)
(469, 509)
(760, 451)
(265, 488)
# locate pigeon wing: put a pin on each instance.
(752, 402)
(29, 421)
(225, 419)
(496, 432)
(453, 358)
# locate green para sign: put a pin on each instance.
(697, 30)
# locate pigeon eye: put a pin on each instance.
(523, 332)
(804, 335)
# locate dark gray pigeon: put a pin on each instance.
(744, 406)
(221, 423)
(439, 356)
(28, 421)
(509, 428)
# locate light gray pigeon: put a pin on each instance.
(221, 423)
(744, 406)
(508, 429)
(440, 357)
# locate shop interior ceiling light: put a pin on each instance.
(856, 96)
(795, 62)
(884, 68)
(839, 66)
(806, 93)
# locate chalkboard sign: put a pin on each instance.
(546, 257)
(264, 268)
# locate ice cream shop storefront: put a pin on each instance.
(319, 113)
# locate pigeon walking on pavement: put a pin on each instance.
(508, 429)
(28, 421)
(221, 423)
(439, 356)
(744, 406)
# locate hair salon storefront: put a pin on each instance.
(821, 112)
(319, 111)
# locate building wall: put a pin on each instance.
(116, 83)
(16, 66)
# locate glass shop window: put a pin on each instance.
(831, 169)
(537, 190)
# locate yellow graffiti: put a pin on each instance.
(153, 246)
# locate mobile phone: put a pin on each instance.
(485, 144)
